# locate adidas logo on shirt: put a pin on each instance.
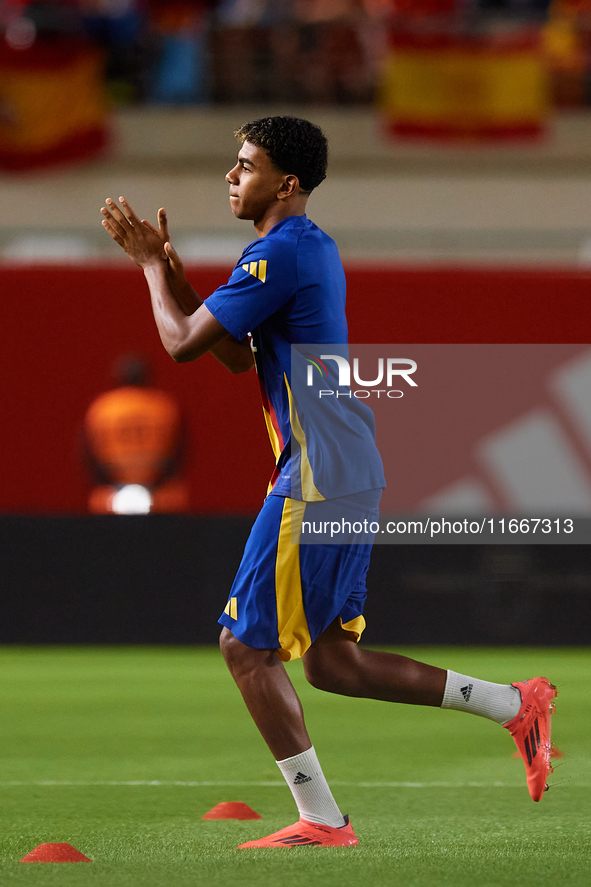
(300, 778)
(467, 691)
(257, 269)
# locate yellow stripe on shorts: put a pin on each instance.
(292, 625)
(356, 626)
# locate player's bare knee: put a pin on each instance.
(230, 647)
(319, 673)
(241, 659)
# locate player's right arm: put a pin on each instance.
(234, 354)
(182, 290)
(188, 338)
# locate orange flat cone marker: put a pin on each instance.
(232, 810)
(55, 853)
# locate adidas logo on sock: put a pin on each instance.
(467, 691)
(300, 778)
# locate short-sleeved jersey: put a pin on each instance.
(288, 288)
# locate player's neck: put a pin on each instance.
(278, 212)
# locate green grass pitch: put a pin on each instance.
(120, 751)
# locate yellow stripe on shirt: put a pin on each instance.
(309, 491)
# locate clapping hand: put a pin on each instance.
(142, 242)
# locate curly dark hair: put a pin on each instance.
(296, 147)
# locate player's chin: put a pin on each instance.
(241, 212)
(236, 207)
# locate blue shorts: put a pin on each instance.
(285, 593)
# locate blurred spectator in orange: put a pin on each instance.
(134, 442)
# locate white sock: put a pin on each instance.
(499, 702)
(310, 790)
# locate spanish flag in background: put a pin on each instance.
(52, 103)
(461, 86)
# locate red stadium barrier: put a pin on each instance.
(64, 326)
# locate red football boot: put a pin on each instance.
(308, 834)
(530, 728)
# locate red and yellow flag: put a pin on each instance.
(450, 86)
(52, 104)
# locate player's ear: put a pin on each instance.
(289, 186)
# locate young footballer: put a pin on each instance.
(292, 600)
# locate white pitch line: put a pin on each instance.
(262, 784)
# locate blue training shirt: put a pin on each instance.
(288, 288)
